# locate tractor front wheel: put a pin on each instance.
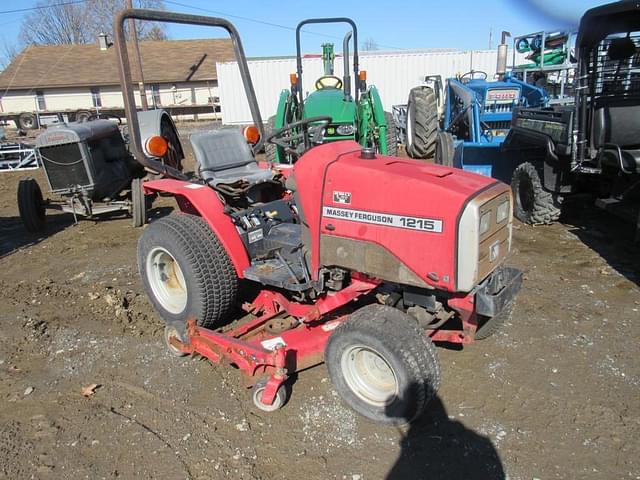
(186, 272)
(382, 365)
(444, 149)
(422, 123)
(31, 206)
(532, 203)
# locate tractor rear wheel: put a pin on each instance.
(392, 141)
(270, 148)
(532, 203)
(444, 149)
(422, 123)
(31, 206)
(382, 365)
(186, 272)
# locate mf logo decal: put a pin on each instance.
(342, 197)
(422, 224)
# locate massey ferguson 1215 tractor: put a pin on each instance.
(362, 261)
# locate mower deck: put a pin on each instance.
(284, 337)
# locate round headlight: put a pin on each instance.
(345, 130)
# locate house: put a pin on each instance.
(75, 79)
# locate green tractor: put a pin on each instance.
(341, 114)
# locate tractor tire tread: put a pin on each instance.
(425, 126)
(493, 324)
(401, 335)
(33, 216)
(545, 210)
(270, 148)
(391, 136)
(213, 272)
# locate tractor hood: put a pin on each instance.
(330, 101)
(419, 222)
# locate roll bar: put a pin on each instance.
(124, 69)
(346, 79)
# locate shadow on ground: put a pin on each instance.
(609, 236)
(14, 236)
(436, 447)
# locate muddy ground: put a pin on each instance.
(553, 395)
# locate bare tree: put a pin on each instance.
(369, 44)
(8, 52)
(65, 23)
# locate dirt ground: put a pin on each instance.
(553, 395)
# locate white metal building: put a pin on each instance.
(393, 73)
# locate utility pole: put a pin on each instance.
(133, 38)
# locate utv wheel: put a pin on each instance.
(186, 272)
(278, 401)
(532, 204)
(171, 331)
(487, 326)
(392, 140)
(422, 123)
(138, 203)
(270, 148)
(382, 365)
(444, 149)
(31, 206)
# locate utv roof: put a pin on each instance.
(598, 22)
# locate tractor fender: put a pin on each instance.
(198, 199)
(150, 125)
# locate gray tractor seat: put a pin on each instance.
(223, 156)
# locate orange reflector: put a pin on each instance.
(293, 78)
(251, 134)
(362, 75)
(156, 146)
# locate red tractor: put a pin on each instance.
(363, 261)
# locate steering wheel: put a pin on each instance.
(288, 137)
(320, 83)
(472, 75)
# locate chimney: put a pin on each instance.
(103, 41)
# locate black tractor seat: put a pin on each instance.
(224, 157)
(616, 130)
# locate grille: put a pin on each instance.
(65, 166)
(617, 78)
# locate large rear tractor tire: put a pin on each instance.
(382, 365)
(186, 272)
(532, 203)
(422, 123)
(31, 206)
(392, 139)
(444, 149)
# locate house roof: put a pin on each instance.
(49, 66)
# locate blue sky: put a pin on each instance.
(413, 24)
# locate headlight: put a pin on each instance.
(345, 130)
(485, 221)
(502, 212)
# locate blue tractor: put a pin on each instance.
(464, 122)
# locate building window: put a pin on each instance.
(155, 95)
(95, 97)
(40, 99)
